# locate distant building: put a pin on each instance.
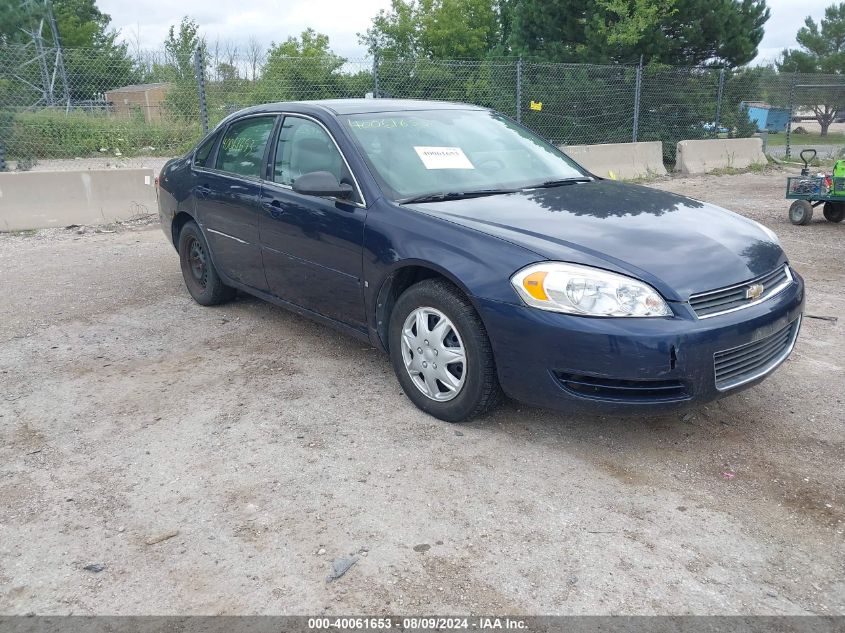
(146, 98)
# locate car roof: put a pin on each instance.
(358, 106)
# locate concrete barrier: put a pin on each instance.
(44, 199)
(620, 160)
(700, 157)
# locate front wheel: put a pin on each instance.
(834, 211)
(801, 212)
(441, 354)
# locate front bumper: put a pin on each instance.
(648, 364)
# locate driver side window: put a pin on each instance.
(305, 147)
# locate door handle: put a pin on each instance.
(203, 190)
(275, 208)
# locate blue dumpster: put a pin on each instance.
(766, 117)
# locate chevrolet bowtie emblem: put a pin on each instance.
(754, 291)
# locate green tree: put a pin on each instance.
(82, 25)
(689, 32)
(549, 29)
(103, 64)
(437, 29)
(303, 67)
(505, 10)
(94, 60)
(228, 73)
(713, 32)
(180, 45)
(308, 44)
(13, 18)
(625, 23)
(394, 33)
(415, 35)
(822, 50)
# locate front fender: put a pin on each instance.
(396, 238)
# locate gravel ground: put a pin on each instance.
(218, 461)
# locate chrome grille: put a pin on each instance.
(715, 302)
(745, 363)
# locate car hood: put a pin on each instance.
(677, 244)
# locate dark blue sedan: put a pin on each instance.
(481, 258)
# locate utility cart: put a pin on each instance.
(808, 192)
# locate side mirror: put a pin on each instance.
(323, 184)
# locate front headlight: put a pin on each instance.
(584, 290)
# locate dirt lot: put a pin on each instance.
(216, 461)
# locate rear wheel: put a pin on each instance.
(201, 278)
(441, 354)
(801, 212)
(834, 211)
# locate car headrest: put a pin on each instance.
(313, 154)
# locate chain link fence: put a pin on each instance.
(157, 103)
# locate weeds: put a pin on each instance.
(754, 168)
(77, 134)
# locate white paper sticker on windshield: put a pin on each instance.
(443, 158)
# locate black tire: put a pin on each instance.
(834, 211)
(480, 390)
(801, 212)
(200, 275)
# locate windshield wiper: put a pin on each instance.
(454, 195)
(559, 182)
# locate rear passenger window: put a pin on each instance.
(242, 149)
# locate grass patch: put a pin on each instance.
(54, 134)
(813, 138)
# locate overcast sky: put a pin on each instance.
(341, 20)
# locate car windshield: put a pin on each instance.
(415, 154)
